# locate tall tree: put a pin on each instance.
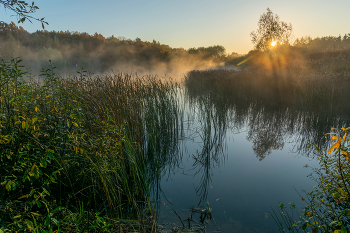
(271, 29)
(22, 10)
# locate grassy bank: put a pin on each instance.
(74, 150)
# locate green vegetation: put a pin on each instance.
(87, 153)
(328, 206)
(74, 150)
(23, 10)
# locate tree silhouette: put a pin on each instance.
(22, 10)
(270, 29)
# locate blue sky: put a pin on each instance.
(189, 23)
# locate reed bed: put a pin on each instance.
(75, 151)
(298, 106)
(275, 89)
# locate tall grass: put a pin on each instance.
(74, 150)
(274, 89)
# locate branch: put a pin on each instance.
(22, 10)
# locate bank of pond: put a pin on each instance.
(219, 151)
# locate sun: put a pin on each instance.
(273, 43)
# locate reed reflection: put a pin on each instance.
(295, 113)
(212, 133)
(210, 104)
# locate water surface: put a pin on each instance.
(241, 160)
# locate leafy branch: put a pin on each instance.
(23, 10)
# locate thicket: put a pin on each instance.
(73, 150)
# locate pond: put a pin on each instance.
(240, 160)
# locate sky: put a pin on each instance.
(189, 23)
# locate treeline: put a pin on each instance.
(321, 54)
(217, 51)
(71, 50)
(323, 44)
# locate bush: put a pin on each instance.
(69, 158)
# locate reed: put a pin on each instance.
(271, 88)
(280, 102)
(74, 150)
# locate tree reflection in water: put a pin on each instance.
(270, 122)
(211, 109)
(264, 141)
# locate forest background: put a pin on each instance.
(70, 51)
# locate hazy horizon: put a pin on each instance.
(183, 24)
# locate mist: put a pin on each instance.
(73, 51)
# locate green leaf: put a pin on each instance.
(43, 163)
(47, 221)
(29, 223)
(50, 154)
(343, 229)
(58, 208)
(55, 221)
(8, 186)
(333, 223)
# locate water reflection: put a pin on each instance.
(206, 116)
(270, 124)
(211, 134)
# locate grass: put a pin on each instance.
(75, 151)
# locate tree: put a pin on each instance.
(22, 10)
(270, 29)
(216, 51)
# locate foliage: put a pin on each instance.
(328, 205)
(270, 29)
(71, 160)
(323, 44)
(22, 10)
(216, 51)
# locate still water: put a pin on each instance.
(241, 161)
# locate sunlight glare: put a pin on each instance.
(273, 43)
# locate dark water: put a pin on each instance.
(241, 160)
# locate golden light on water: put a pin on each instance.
(273, 43)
